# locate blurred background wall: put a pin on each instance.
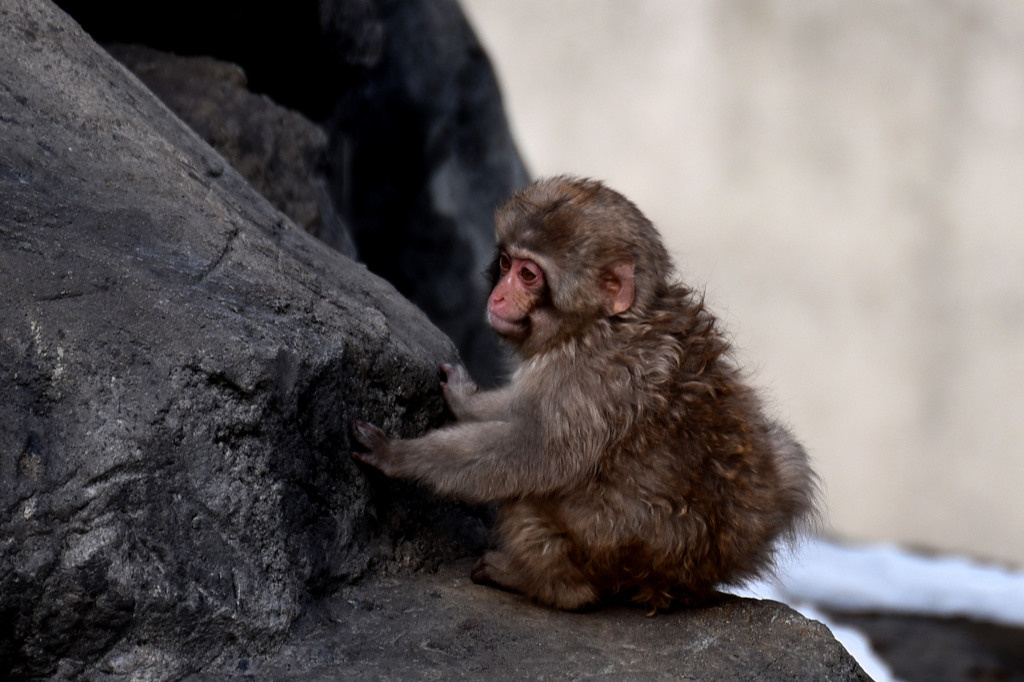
(847, 180)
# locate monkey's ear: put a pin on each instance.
(617, 286)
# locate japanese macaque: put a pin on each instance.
(627, 456)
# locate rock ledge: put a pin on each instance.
(443, 627)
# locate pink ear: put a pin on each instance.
(617, 287)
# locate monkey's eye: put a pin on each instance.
(530, 273)
(505, 262)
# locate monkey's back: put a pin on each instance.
(691, 483)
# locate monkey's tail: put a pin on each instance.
(799, 486)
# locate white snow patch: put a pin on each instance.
(818, 574)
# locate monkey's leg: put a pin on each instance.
(534, 561)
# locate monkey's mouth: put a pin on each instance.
(513, 328)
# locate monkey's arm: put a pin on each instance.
(474, 461)
(482, 406)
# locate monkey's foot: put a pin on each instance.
(553, 588)
(492, 570)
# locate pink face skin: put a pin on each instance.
(520, 283)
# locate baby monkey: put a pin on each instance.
(627, 455)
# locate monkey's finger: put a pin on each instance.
(455, 374)
(447, 371)
(366, 458)
(369, 435)
(446, 377)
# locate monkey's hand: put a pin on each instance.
(379, 452)
(458, 390)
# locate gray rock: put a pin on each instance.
(179, 365)
(936, 649)
(431, 100)
(419, 152)
(279, 151)
(442, 627)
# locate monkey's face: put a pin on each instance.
(537, 303)
(567, 259)
(520, 288)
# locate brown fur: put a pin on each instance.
(627, 455)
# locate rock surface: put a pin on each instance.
(179, 364)
(443, 627)
(431, 99)
(279, 151)
(419, 151)
(934, 649)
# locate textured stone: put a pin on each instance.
(419, 151)
(179, 364)
(936, 649)
(279, 151)
(442, 627)
(431, 100)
